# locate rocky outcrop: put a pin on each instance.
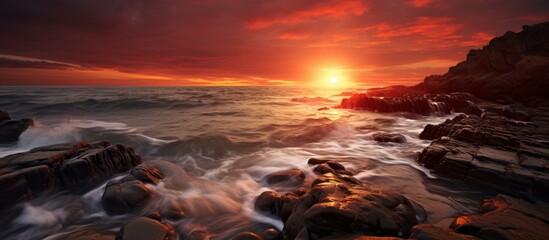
(147, 228)
(513, 67)
(502, 217)
(24, 175)
(426, 104)
(493, 151)
(130, 193)
(339, 204)
(10, 129)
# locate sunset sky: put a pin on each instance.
(248, 42)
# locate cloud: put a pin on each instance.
(6, 62)
(242, 41)
(419, 3)
(333, 9)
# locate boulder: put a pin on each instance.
(290, 176)
(125, 196)
(338, 204)
(10, 130)
(23, 175)
(4, 116)
(146, 228)
(328, 166)
(147, 174)
(389, 137)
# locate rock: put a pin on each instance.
(315, 161)
(491, 151)
(426, 104)
(502, 217)
(23, 175)
(125, 196)
(147, 174)
(290, 176)
(514, 66)
(271, 234)
(328, 166)
(323, 109)
(247, 236)
(4, 116)
(146, 228)
(505, 217)
(10, 130)
(86, 235)
(389, 137)
(430, 232)
(338, 204)
(198, 235)
(357, 237)
(323, 168)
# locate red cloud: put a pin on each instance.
(419, 3)
(427, 27)
(336, 9)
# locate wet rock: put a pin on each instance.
(173, 211)
(146, 228)
(275, 204)
(315, 161)
(505, 217)
(10, 130)
(328, 166)
(271, 234)
(198, 235)
(290, 176)
(426, 104)
(491, 151)
(125, 196)
(430, 232)
(4, 116)
(23, 175)
(154, 215)
(502, 217)
(247, 236)
(323, 168)
(87, 235)
(338, 204)
(389, 137)
(147, 174)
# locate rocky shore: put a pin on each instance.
(498, 143)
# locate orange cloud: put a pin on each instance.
(294, 36)
(335, 9)
(429, 27)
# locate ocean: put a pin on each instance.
(218, 144)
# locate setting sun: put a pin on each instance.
(333, 80)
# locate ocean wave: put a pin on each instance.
(122, 104)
